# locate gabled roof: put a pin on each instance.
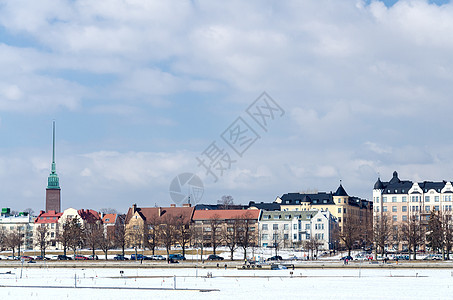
(48, 217)
(226, 214)
(160, 213)
(89, 215)
(109, 219)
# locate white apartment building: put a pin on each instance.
(22, 223)
(291, 228)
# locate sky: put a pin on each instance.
(142, 91)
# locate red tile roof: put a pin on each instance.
(89, 215)
(48, 217)
(226, 214)
(160, 213)
(109, 219)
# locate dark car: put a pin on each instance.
(348, 257)
(39, 257)
(176, 256)
(140, 257)
(63, 257)
(91, 257)
(120, 257)
(215, 257)
(275, 257)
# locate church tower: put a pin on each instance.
(53, 190)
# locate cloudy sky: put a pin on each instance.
(140, 89)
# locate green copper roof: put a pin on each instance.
(53, 182)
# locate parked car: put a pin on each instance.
(433, 257)
(140, 257)
(215, 257)
(120, 257)
(25, 257)
(275, 257)
(80, 257)
(39, 257)
(157, 257)
(91, 257)
(176, 256)
(63, 257)
(348, 257)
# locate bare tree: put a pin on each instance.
(312, 244)
(435, 232)
(108, 210)
(94, 233)
(183, 233)
(246, 232)
(447, 225)
(167, 233)
(413, 233)
(64, 236)
(76, 235)
(381, 233)
(230, 235)
(120, 235)
(134, 237)
(13, 240)
(30, 211)
(41, 238)
(226, 202)
(152, 234)
(215, 224)
(350, 233)
(106, 242)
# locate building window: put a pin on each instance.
(264, 236)
(286, 226)
(276, 217)
(426, 198)
(384, 199)
(339, 210)
(287, 217)
(404, 218)
(427, 208)
(404, 208)
(436, 198)
(264, 227)
(395, 218)
(285, 236)
(344, 210)
(404, 199)
(394, 199)
(436, 208)
(394, 209)
(294, 236)
(307, 226)
(295, 226)
(384, 208)
(275, 227)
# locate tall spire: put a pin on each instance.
(53, 181)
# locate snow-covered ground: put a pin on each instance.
(59, 283)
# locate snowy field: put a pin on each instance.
(60, 283)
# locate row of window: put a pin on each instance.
(416, 198)
(415, 208)
(265, 227)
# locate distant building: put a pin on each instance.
(50, 220)
(283, 229)
(53, 191)
(342, 206)
(21, 223)
(399, 199)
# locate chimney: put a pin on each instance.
(187, 205)
(159, 212)
(134, 208)
(172, 205)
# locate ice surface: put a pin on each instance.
(230, 283)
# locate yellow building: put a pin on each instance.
(339, 204)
